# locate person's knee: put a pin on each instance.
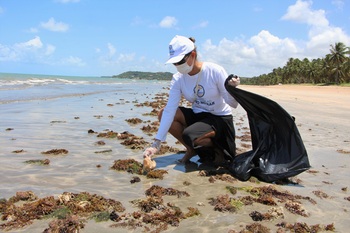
(186, 136)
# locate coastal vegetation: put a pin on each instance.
(334, 68)
(145, 75)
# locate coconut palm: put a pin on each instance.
(336, 59)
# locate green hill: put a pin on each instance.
(145, 75)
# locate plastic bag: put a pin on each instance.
(278, 151)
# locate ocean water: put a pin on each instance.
(28, 87)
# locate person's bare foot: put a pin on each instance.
(188, 155)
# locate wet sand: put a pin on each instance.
(322, 117)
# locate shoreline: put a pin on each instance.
(322, 117)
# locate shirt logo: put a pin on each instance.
(200, 91)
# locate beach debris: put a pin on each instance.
(232, 189)
(134, 167)
(265, 195)
(148, 164)
(130, 165)
(100, 143)
(55, 152)
(256, 227)
(70, 224)
(129, 139)
(154, 213)
(9, 129)
(38, 161)
(90, 131)
(312, 171)
(224, 203)
(103, 151)
(135, 179)
(296, 208)
(69, 210)
(158, 192)
(57, 122)
(18, 151)
(134, 120)
(186, 183)
(345, 189)
(156, 174)
(320, 194)
(76, 118)
(273, 213)
(303, 227)
(343, 151)
(347, 198)
(149, 128)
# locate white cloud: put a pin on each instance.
(33, 30)
(202, 24)
(264, 51)
(111, 58)
(301, 12)
(31, 44)
(75, 61)
(111, 50)
(260, 54)
(50, 49)
(168, 22)
(338, 3)
(321, 33)
(52, 25)
(30, 49)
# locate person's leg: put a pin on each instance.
(205, 139)
(199, 135)
(176, 129)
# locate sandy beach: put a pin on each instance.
(30, 128)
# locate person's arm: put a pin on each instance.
(167, 118)
(222, 76)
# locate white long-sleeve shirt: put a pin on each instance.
(211, 95)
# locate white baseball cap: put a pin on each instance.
(179, 46)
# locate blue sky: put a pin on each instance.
(106, 37)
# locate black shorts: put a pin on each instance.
(199, 124)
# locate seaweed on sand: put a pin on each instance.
(158, 192)
(129, 165)
(55, 152)
(68, 208)
(38, 161)
(134, 167)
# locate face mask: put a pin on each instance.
(185, 68)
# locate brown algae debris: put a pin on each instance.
(55, 152)
(128, 165)
(38, 161)
(67, 207)
(158, 192)
(134, 167)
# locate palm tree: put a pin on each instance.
(337, 58)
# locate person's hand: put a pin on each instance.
(234, 80)
(150, 151)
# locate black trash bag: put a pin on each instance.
(278, 151)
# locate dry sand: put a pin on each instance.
(322, 116)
